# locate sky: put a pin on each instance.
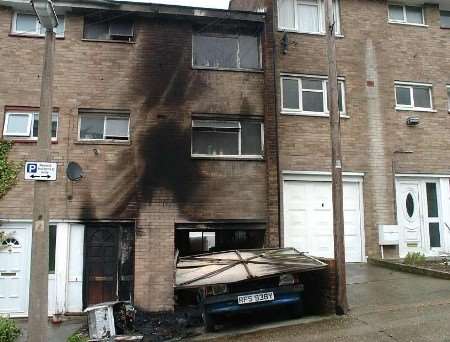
(195, 3)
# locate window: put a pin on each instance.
(448, 97)
(227, 138)
(104, 126)
(28, 24)
(226, 51)
(412, 96)
(306, 16)
(402, 14)
(101, 27)
(51, 248)
(308, 95)
(445, 19)
(25, 125)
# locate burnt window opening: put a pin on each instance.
(214, 138)
(109, 27)
(192, 239)
(227, 50)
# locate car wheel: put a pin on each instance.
(208, 320)
(298, 310)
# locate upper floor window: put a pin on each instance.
(306, 16)
(308, 95)
(445, 19)
(94, 125)
(99, 27)
(224, 138)
(413, 96)
(402, 14)
(28, 24)
(227, 51)
(24, 125)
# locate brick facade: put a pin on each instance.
(372, 55)
(152, 180)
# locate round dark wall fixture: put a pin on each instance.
(74, 171)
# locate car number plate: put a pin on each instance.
(256, 297)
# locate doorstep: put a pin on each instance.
(396, 264)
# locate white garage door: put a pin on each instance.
(308, 218)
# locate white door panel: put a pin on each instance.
(14, 270)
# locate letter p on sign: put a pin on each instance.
(31, 168)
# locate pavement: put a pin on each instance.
(386, 306)
(56, 332)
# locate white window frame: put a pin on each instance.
(37, 32)
(324, 79)
(232, 156)
(321, 18)
(30, 125)
(411, 86)
(238, 59)
(405, 18)
(105, 116)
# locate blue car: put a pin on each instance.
(249, 296)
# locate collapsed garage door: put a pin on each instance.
(308, 218)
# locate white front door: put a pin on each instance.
(419, 216)
(308, 218)
(14, 270)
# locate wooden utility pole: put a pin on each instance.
(336, 161)
(38, 292)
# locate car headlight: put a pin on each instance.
(289, 279)
(215, 290)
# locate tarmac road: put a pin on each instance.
(385, 305)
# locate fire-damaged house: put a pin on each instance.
(160, 113)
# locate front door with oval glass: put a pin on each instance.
(419, 216)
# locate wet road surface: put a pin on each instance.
(386, 305)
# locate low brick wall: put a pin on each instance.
(320, 290)
(421, 270)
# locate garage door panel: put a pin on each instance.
(312, 230)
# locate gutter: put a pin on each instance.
(148, 8)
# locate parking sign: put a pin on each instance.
(40, 171)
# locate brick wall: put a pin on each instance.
(372, 54)
(153, 179)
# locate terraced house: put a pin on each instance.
(203, 130)
(394, 76)
(162, 108)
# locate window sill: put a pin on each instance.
(320, 115)
(30, 35)
(256, 71)
(208, 157)
(320, 34)
(107, 41)
(407, 24)
(25, 140)
(103, 142)
(402, 109)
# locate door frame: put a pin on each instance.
(443, 197)
(324, 176)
